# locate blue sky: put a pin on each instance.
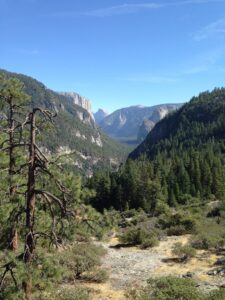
(117, 53)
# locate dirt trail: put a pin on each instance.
(131, 267)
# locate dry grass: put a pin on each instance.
(104, 292)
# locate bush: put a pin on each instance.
(183, 252)
(216, 295)
(149, 242)
(168, 288)
(142, 217)
(173, 288)
(215, 212)
(139, 236)
(187, 199)
(177, 224)
(161, 208)
(80, 259)
(209, 235)
(99, 276)
(176, 230)
(130, 213)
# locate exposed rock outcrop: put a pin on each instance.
(79, 100)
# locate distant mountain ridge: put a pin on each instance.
(133, 123)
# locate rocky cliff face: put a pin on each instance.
(100, 115)
(127, 125)
(79, 100)
(158, 114)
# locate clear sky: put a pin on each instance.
(117, 53)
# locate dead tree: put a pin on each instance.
(38, 163)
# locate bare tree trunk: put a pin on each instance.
(30, 208)
(13, 238)
(11, 140)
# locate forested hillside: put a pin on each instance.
(74, 131)
(181, 161)
(195, 125)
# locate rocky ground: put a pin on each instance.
(131, 267)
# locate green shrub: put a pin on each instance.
(98, 276)
(172, 288)
(139, 236)
(186, 199)
(183, 252)
(203, 241)
(215, 212)
(81, 258)
(216, 295)
(168, 288)
(130, 213)
(142, 217)
(209, 234)
(176, 230)
(161, 208)
(149, 242)
(177, 224)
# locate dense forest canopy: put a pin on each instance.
(181, 161)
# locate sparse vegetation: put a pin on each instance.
(184, 253)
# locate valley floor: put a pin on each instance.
(131, 267)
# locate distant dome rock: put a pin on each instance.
(100, 115)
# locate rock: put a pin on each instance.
(100, 115)
(220, 261)
(79, 100)
(188, 275)
(212, 272)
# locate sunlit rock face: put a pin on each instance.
(134, 123)
(79, 100)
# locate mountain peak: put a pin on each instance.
(100, 115)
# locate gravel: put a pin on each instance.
(130, 266)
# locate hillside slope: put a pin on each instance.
(75, 131)
(197, 123)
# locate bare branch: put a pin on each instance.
(41, 153)
(51, 196)
(14, 146)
